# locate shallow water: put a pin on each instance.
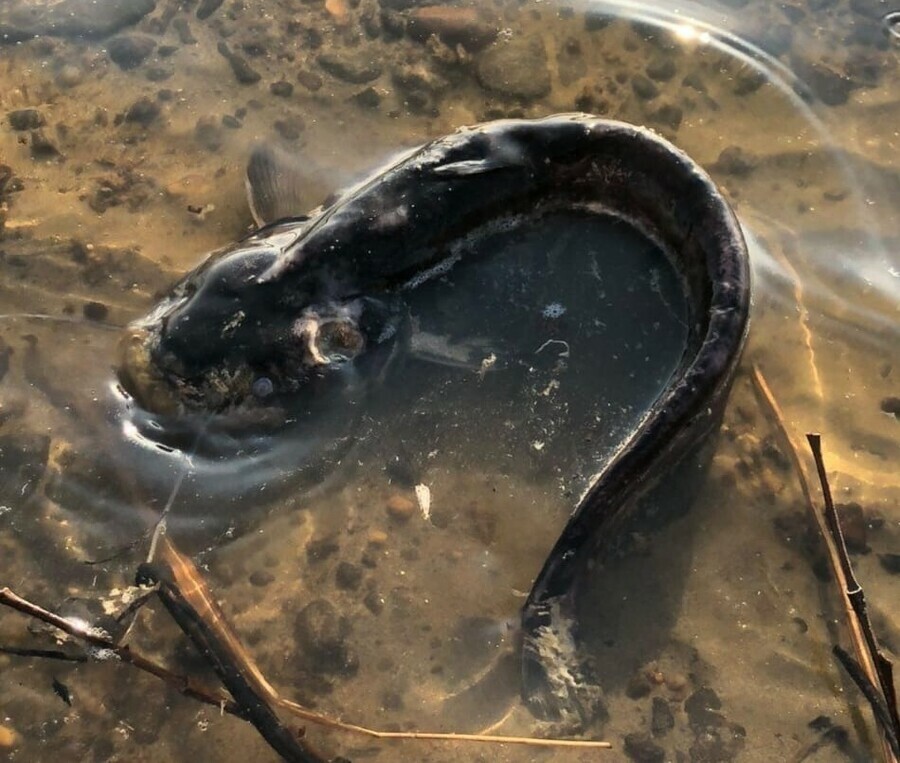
(136, 172)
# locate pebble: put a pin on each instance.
(8, 738)
(208, 133)
(184, 32)
(734, 160)
(832, 87)
(661, 718)
(282, 89)
(69, 75)
(640, 748)
(129, 51)
(701, 708)
(289, 129)
(368, 98)
(243, 72)
(232, 123)
(516, 68)
(891, 406)
(668, 115)
(41, 146)
(748, 81)
(400, 508)
(158, 73)
(207, 8)
(95, 311)
(143, 112)
(661, 69)
(319, 549)
(261, 578)
(357, 69)
(377, 537)
(322, 634)
(455, 26)
(310, 80)
(853, 526)
(890, 563)
(643, 87)
(348, 576)
(25, 119)
(374, 602)
(638, 686)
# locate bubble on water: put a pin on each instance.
(263, 387)
(892, 24)
(553, 311)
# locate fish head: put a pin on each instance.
(228, 337)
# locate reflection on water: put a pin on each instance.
(123, 143)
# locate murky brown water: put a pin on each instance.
(131, 168)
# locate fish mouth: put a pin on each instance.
(140, 376)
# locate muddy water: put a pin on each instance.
(711, 636)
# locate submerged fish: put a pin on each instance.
(305, 301)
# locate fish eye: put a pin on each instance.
(262, 387)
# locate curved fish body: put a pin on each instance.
(301, 301)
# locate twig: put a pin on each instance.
(876, 701)
(101, 641)
(47, 654)
(856, 636)
(884, 669)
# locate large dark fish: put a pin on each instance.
(294, 305)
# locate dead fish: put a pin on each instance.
(304, 299)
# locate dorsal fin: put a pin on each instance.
(277, 185)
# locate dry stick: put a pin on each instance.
(99, 640)
(884, 669)
(226, 705)
(192, 605)
(856, 636)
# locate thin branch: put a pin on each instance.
(876, 701)
(863, 657)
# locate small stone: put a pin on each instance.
(374, 602)
(243, 72)
(661, 69)
(643, 87)
(516, 68)
(95, 311)
(310, 80)
(282, 89)
(69, 75)
(322, 634)
(832, 87)
(129, 51)
(207, 8)
(853, 526)
(641, 748)
(695, 82)
(377, 537)
(890, 563)
(261, 578)
(8, 738)
(143, 112)
(638, 686)
(158, 73)
(891, 406)
(232, 123)
(453, 25)
(357, 69)
(736, 161)
(400, 508)
(368, 98)
(594, 21)
(320, 549)
(183, 31)
(208, 133)
(348, 576)
(25, 119)
(661, 718)
(668, 115)
(41, 146)
(289, 129)
(748, 81)
(701, 708)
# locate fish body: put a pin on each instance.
(303, 300)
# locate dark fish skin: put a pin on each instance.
(380, 237)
